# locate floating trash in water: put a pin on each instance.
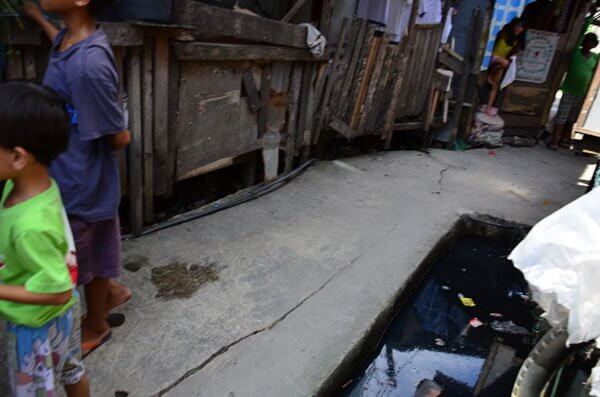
(475, 322)
(520, 294)
(467, 302)
(440, 342)
(445, 288)
(496, 315)
(508, 327)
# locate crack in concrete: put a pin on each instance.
(441, 180)
(226, 348)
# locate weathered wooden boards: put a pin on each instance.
(419, 70)
(362, 86)
(219, 23)
(239, 52)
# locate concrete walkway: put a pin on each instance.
(267, 298)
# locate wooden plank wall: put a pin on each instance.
(374, 74)
(419, 70)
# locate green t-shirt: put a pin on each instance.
(580, 74)
(37, 253)
(581, 70)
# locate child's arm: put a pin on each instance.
(31, 10)
(18, 293)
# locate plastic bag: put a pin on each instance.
(560, 259)
(511, 73)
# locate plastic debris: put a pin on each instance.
(508, 327)
(496, 315)
(467, 302)
(492, 153)
(475, 322)
(440, 342)
(445, 288)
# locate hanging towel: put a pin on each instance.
(315, 40)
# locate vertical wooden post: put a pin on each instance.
(331, 81)
(292, 118)
(163, 182)
(134, 94)
(148, 124)
(403, 54)
(264, 96)
(464, 77)
(307, 111)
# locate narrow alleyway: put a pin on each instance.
(268, 298)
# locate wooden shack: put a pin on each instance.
(201, 92)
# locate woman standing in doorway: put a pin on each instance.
(509, 41)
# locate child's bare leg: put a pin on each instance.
(79, 389)
(117, 295)
(558, 133)
(94, 326)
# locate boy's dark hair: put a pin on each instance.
(97, 7)
(33, 117)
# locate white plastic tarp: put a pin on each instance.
(560, 259)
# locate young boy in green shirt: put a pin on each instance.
(38, 269)
(574, 88)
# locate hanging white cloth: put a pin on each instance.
(430, 12)
(374, 10)
(399, 18)
(315, 40)
(448, 25)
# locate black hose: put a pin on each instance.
(223, 204)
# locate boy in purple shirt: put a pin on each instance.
(82, 70)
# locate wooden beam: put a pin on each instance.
(194, 51)
(290, 14)
(122, 34)
(163, 179)
(411, 126)
(134, 95)
(331, 81)
(450, 62)
(251, 90)
(403, 55)
(292, 117)
(371, 86)
(148, 129)
(342, 128)
(219, 23)
(344, 97)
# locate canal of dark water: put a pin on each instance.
(464, 331)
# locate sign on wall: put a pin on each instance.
(534, 63)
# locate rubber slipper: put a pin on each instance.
(88, 347)
(115, 320)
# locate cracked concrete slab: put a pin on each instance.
(303, 272)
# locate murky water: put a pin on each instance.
(439, 345)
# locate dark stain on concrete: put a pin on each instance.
(180, 280)
(135, 262)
